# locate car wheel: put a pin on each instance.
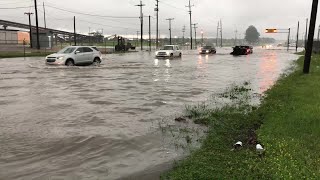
(70, 62)
(96, 62)
(171, 55)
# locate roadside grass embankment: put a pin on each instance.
(22, 54)
(287, 124)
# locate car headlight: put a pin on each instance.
(60, 58)
(207, 51)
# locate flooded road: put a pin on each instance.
(102, 122)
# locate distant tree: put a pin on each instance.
(252, 35)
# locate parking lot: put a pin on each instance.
(96, 122)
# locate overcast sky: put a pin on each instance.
(235, 14)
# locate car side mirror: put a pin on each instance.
(76, 52)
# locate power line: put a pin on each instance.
(104, 24)
(95, 15)
(24, 7)
(172, 6)
(12, 3)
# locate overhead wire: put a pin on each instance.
(95, 15)
(22, 7)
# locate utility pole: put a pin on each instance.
(190, 12)
(157, 13)
(202, 36)
(89, 35)
(297, 43)
(30, 29)
(235, 38)
(137, 42)
(218, 27)
(170, 19)
(183, 31)
(149, 33)
(306, 34)
(313, 19)
(221, 32)
(195, 34)
(44, 16)
(289, 39)
(74, 30)
(318, 33)
(37, 24)
(141, 21)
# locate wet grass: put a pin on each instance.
(21, 54)
(287, 124)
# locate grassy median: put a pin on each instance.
(287, 124)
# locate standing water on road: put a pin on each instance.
(101, 122)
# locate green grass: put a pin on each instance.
(21, 54)
(287, 124)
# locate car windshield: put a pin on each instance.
(207, 47)
(168, 48)
(67, 50)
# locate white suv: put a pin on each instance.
(169, 51)
(75, 55)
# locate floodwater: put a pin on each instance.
(101, 122)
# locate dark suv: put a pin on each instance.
(207, 50)
(242, 50)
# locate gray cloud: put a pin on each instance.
(235, 14)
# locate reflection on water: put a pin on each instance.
(168, 64)
(101, 122)
(268, 66)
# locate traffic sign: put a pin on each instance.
(271, 31)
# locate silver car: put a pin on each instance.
(75, 55)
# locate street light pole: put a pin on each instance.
(313, 19)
